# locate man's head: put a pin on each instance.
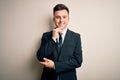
(60, 7)
(61, 16)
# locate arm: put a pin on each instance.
(47, 48)
(47, 45)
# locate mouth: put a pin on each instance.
(61, 24)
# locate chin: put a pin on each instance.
(62, 28)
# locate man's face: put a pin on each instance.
(61, 18)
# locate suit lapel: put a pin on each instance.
(67, 37)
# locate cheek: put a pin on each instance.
(57, 21)
(67, 21)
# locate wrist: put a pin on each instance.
(54, 39)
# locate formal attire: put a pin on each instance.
(66, 59)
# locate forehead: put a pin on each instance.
(60, 13)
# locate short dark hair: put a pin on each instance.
(60, 7)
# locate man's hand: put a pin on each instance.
(48, 63)
(56, 33)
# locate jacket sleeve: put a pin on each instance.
(74, 62)
(47, 45)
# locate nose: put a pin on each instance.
(61, 19)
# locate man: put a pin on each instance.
(60, 51)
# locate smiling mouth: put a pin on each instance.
(61, 23)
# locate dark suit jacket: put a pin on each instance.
(66, 61)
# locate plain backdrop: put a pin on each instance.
(22, 23)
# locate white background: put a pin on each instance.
(22, 23)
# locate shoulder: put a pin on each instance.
(73, 33)
(75, 36)
(47, 34)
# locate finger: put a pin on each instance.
(59, 30)
(55, 30)
(43, 63)
(46, 60)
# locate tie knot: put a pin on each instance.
(60, 35)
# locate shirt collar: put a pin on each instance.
(64, 31)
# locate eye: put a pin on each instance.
(64, 16)
(57, 17)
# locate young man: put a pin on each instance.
(60, 51)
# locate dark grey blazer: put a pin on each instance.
(66, 61)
